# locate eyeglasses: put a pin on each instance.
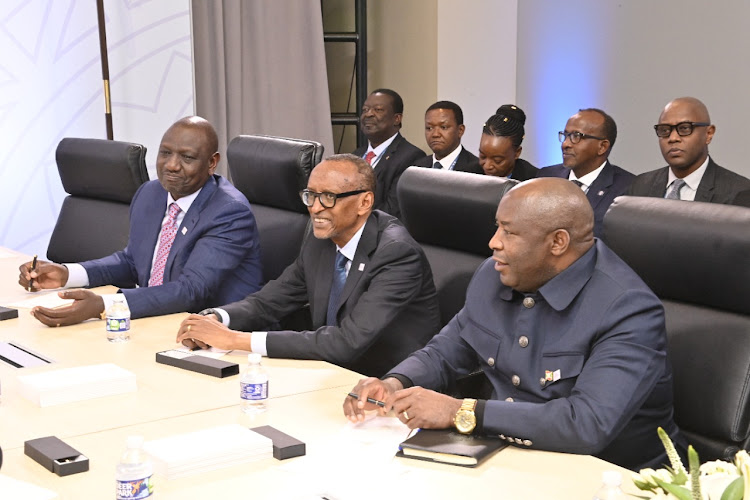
(683, 128)
(328, 200)
(575, 137)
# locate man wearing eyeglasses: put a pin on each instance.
(367, 282)
(685, 131)
(587, 140)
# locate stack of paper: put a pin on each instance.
(208, 449)
(76, 384)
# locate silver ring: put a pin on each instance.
(406, 415)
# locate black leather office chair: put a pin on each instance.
(101, 178)
(696, 258)
(270, 172)
(452, 215)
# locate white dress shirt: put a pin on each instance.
(588, 179)
(379, 150)
(692, 181)
(449, 160)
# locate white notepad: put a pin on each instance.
(207, 449)
(76, 384)
(13, 488)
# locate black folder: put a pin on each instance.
(450, 447)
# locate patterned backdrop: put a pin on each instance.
(50, 88)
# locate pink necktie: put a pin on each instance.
(168, 232)
(369, 156)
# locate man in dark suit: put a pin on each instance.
(685, 131)
(443, 129)
(571, 340)
(367, 282)
(587, 142)
(193, 241)
(387, 151)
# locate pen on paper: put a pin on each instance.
(369, 400)
(33, 268)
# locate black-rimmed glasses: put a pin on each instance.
(683, 128)
(575, 137)
(328, 200)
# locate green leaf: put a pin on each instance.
(694, 463)
(735, 490)
(678, 491)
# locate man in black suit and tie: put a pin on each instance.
(586, 144)
(367, 282)
(443, 129)
(387, 151)
(685, 131)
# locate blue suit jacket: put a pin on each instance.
(612, 182)
(215, 257)
(581, 369)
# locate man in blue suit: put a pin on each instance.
(586, 144)
(193, 241)
(572, 341)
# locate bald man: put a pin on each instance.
(685, 131)
(572, 341)
(193, 241)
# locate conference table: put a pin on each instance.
(343, 460)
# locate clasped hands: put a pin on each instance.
(416, 406)
(202, 332)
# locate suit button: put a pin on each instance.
(527, 442)
(528, 302)
(501, 436)
(491, 361)
(523, 341)
(509, 400)
(516, 380)
(509, 439)
(542, 381)
(518, 441)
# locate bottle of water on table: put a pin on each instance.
(610, 488)
(134, 471)
(253, 385)
(118, 320)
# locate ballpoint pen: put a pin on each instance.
(369, 400)
(33, 268)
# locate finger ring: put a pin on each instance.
(193, 340)
(189, 327)
(406, 415)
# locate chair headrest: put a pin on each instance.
(451, 209)
(272, 170)
(97, 168)
(686, 251)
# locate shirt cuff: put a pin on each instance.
(479, 414)
(258, 343)
(109, 299)
(223, 315)
(77, 276)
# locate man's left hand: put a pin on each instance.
(204, 332)
(86, 304)
(418, 407)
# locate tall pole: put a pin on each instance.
(105, 68)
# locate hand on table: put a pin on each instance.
(46, 275)
(206, 331)
(371, 387)
(86, 305)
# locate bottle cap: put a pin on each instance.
(254, 358)
(612, 478)
(134, 441)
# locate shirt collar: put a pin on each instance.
(692, 180)
(381, 147)
(449, 159)
(184, 202)
(588, 179)
(350, 248)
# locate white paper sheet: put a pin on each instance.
(43, 299)
(13, 488)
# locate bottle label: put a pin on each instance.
(254, 391)
(135, 488)
(118, 324)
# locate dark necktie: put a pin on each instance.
(577, 183)
(674, 194)
(437, 165)
(339, 278)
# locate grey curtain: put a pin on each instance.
(260, 68)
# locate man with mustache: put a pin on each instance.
(685, 131)
(570, 338)
(387, 152)
(193, 241)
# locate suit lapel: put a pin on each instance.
(705, 191)
(367, 244)
(600, 186)
(659, 187)
(322, 278)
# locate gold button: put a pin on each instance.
(518, 441)
(491, 361)
(516, 380)
(509, 400)
(527, 442)
(542, 381)
(528, 302)
(509, 439)
(523, 340)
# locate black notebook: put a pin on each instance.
(450, 447)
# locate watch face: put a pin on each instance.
(465, 421)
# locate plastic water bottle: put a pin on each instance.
(133, 473)
(253, 385)
(610, 489)
(118, 320)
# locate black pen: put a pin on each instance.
(369, 400)
(33, 268)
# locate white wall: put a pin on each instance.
(50, 88)
(630, 58)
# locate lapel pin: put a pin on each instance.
(361, 266)
(387, 157)
(184, 231)
(601, 193)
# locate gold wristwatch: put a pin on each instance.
(465, 419)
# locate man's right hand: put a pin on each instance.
(46, 275)
(371, 387)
